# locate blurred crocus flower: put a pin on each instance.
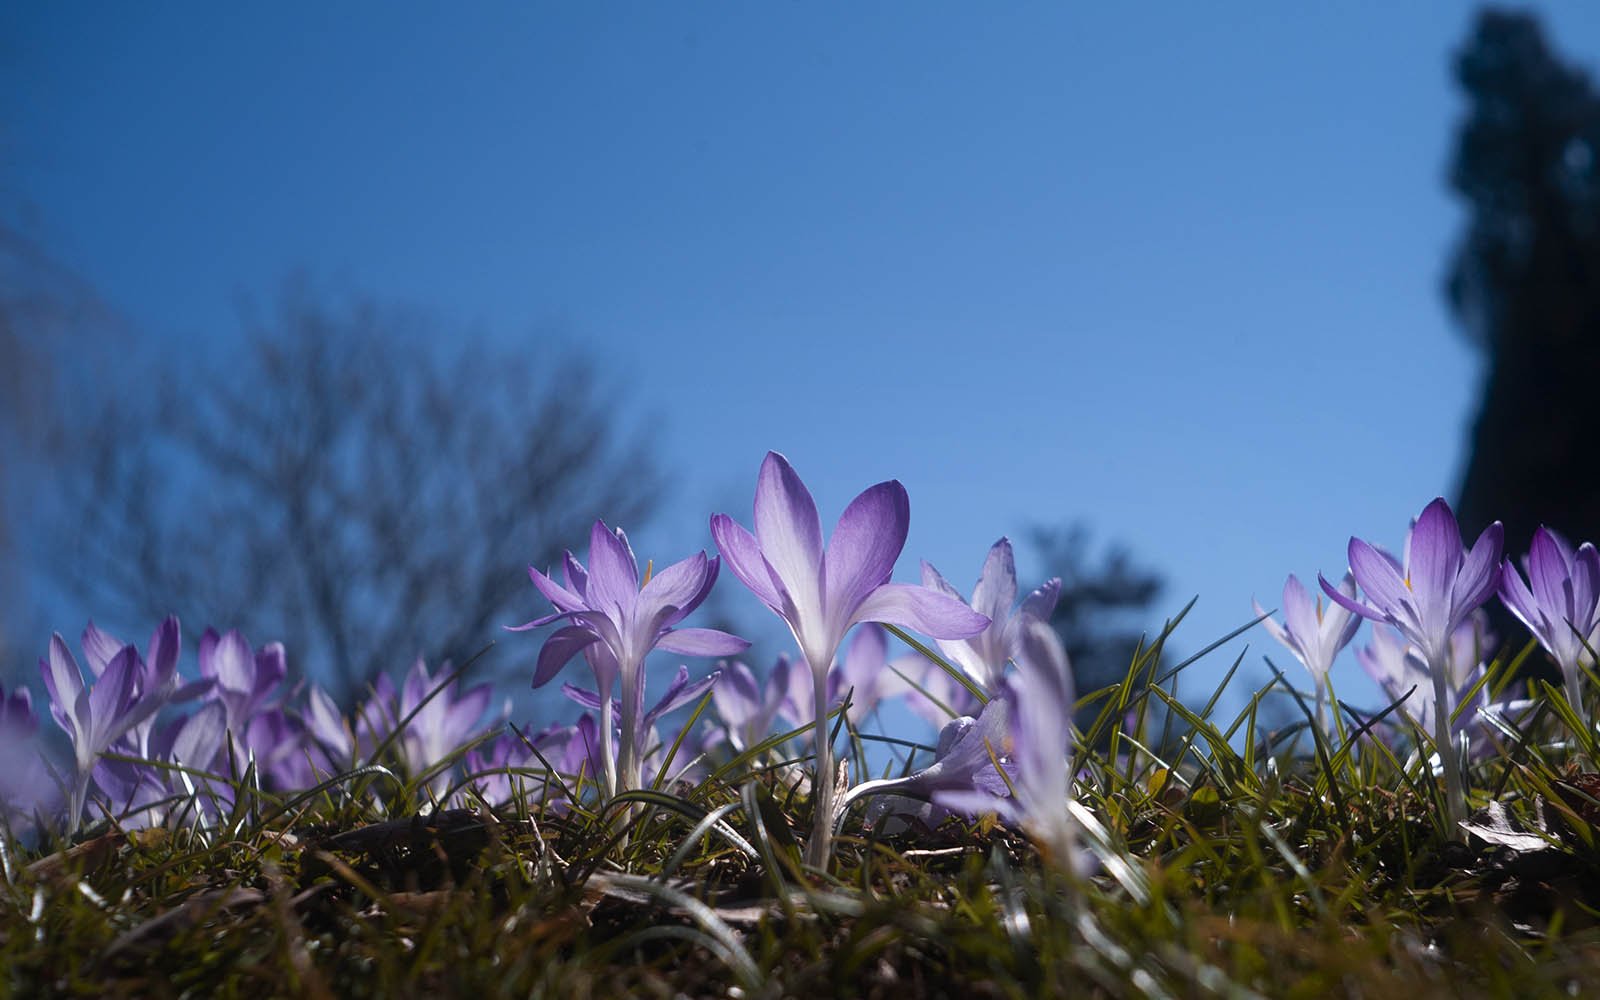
(820, 594)
(932, 693)
(1040, 702)
(985, 655)
(245, 684)
(94, 717)
(244, 679)
(749, 706)
(25, 786)
(1397, 667)
(156, 679)
(963, 770)
(1560, 604)
(438, 725)
(1427, 597)
(616, 622)
(141, 795)
(563, 750)
(1314, 632)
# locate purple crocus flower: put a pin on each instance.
(821, 593)
(985, 655)
(1314, 633)
(748, 706)
(94, 717)
(1427, 597)
(439, 726)
(1560, 604)
(616, 622)
(156, 680)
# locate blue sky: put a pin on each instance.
(1170, 271)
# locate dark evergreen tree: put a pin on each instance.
(1524, 282)
(1104, 610)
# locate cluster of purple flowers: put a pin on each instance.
(1000, 688)
(1429, 632)
(243, 724)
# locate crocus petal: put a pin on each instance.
(1478, 573)
(1586, 581)
(99, 648)
(541, 622)
(1273, 628)
(465, 712)
(933, 580)
(326, 725)
(1299, 611)
(271, 667)
(738, 698)
(199, 738)
(1548, 572)
(561, 597)
(1518, 599)
(558, 650)
(679, 693)
(577, 577)
(582, 697)
(865, 544)
(996, 589)
(701, 642)
(789, 531)
(64, 683)
(613, 573)
(111, 698)
(743, 554)
(921, 609)
(1379, 575)
(666, 599)
(418, 685)
(1432, 554)
(1041, 603)
(232, 663)
(161, 656)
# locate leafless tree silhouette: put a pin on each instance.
(364, 484)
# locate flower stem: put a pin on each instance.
(820, 848)
(1574, 686)
(629, 764)
(1444, 741)
(608, 761)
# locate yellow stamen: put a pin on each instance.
(649, 567)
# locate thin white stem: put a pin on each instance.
(630, 764)
(1444, 740)
(820, 848)
(608, 763)
(80, 793)
(1574, 684)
